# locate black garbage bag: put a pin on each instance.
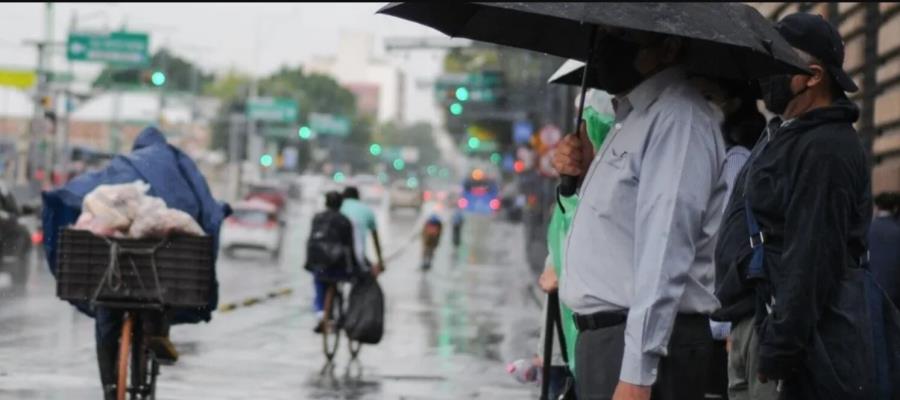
(364, 321)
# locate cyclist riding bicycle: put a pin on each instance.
(173, 177)
(330, 256)
(363, 220)
(431, 236)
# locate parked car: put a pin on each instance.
(403, 196)
(270, 192)
(255, 224)
(15, 237)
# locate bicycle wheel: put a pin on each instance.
(334, 314)
(124, 346)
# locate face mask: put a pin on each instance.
(777, 93)
(614, 65)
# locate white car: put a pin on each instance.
(255, 224)
(403, 196)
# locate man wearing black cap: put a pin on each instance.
(804, 201)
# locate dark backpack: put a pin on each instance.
(325, 248)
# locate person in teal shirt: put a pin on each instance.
(598, 120)
(363, 220)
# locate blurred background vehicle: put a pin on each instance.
(480, 194)
(404, 195)
(16, 236)
(512, 202)
(270, 192)
(255, 224)
(371, 191)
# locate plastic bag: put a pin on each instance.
(109, 209)
(156, 220)
(364, 321)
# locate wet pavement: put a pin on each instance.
(448, 333)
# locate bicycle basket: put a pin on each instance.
(175, 271)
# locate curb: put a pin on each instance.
(250, 301)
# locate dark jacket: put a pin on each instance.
(733, 252)
(884, 253)
(809, 188)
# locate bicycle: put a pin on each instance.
(135, 356)
(332, 327)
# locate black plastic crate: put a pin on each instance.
(183, 265)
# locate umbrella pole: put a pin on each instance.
(569, 183)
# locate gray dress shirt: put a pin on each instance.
(643, 235)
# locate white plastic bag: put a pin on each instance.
(111, 208)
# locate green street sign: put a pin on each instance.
(327, 124)
(272, 110)
(116, 48)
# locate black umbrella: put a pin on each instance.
(726, 39)
(570, 73)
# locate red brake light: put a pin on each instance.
(426, 195)
(37, 237)
(495, 204)
(462, 203)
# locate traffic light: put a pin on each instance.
(339, 177)
(158, 78)
(496, 158)
(304, 132)
(266, 160)
(462, 93)
(456, 109)
(375, 149)
(474, 143)
(399, 164)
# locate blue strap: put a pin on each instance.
(755, 269)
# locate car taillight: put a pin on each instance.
(495, 204)
(426, 195)
(37, 237)
(462, 203)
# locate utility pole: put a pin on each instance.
(38, 128)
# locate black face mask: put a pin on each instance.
(777, 94)
(613, 65)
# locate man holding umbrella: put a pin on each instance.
(642, 308)
(639, 253)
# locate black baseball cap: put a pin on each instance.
(816, 36)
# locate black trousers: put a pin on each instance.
(681, 374)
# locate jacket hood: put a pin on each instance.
(149, 137)
(841, 110)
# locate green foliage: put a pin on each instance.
(181, 74)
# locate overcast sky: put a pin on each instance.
(222, 36)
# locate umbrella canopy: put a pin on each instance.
(569, 73)
(730, 40)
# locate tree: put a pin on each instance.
(181, 74)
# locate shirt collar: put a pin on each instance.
(646, 92)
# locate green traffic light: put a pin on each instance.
(265, 160)
(496, 158)
(375, 149)
(339, 177)
(462, 94)
(304, 132)
(432, 170)
(456, 109)
(158, 78)
(474, 143)
(399, 164)
(412, 182)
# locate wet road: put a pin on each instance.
(448, 335)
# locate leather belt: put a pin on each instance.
(599, 320)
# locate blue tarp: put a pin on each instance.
(172, 176)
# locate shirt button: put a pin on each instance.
(618, 126)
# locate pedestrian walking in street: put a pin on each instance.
(330, 255)
(638, 260)
(884, 244)
(803, 200)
